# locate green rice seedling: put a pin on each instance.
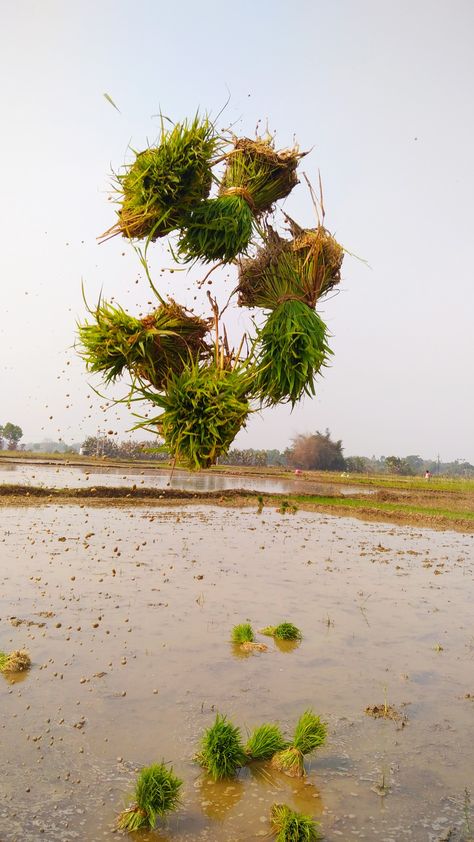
(204, 407)
(284, 631)
(17, 661)
(165, 182)
(256, 167)
(222, 753)
(264, 742)
(290, 826)
(256, 176)
(310, 733)
(243, 633)
(217, 229)
(291, 350)
(157, 792)
(306, 267)
(148, 348)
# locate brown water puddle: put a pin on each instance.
(135, 659)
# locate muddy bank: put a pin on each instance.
(385, 506)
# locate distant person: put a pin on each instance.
(428, 475)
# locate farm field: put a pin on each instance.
(127, 613)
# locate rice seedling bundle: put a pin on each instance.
(217, 229)
(165, 182)
(204, 407)
(264, 742)
(310, 733)
(17, 661)
(222, 753)
(306, 267)
(256, 176)
(291, 350)
(157, 792)
(149, 348)
(284, 631)
(290, 826)
(243, 633)
(256, 167)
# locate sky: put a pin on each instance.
(380, 92)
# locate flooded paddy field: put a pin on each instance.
(72, 476)
(127, 614)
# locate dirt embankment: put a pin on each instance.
(444, 511)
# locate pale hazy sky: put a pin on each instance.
(382, 91)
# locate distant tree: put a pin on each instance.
(393, 464)
(99, 446)
(107, 446)
(396, 465)
(13, 434)
(1, 437)
(316, 452)
(357, 464)
(415, 463)
(274, 457)
(248, 457)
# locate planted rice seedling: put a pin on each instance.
(17, 661)
(165, 182)
(290, 826)
(222, 753)
(157, 792)
(310, 733)
(284, 631)
(204, 407)
(243, 633)
(264, 742)
(150, 348)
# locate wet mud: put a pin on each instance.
(127, 615)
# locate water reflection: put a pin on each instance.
(73, 476)
(218, 797)
(286, 646)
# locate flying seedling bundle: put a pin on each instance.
(151, 348)
(212, 194)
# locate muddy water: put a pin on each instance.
(134, 659)
(76, 476)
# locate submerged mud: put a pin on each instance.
(127, 614)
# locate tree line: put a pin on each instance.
(308, 452)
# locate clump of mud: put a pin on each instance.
(386, 711)
(17, 661)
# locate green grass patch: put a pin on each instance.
(383, 506)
